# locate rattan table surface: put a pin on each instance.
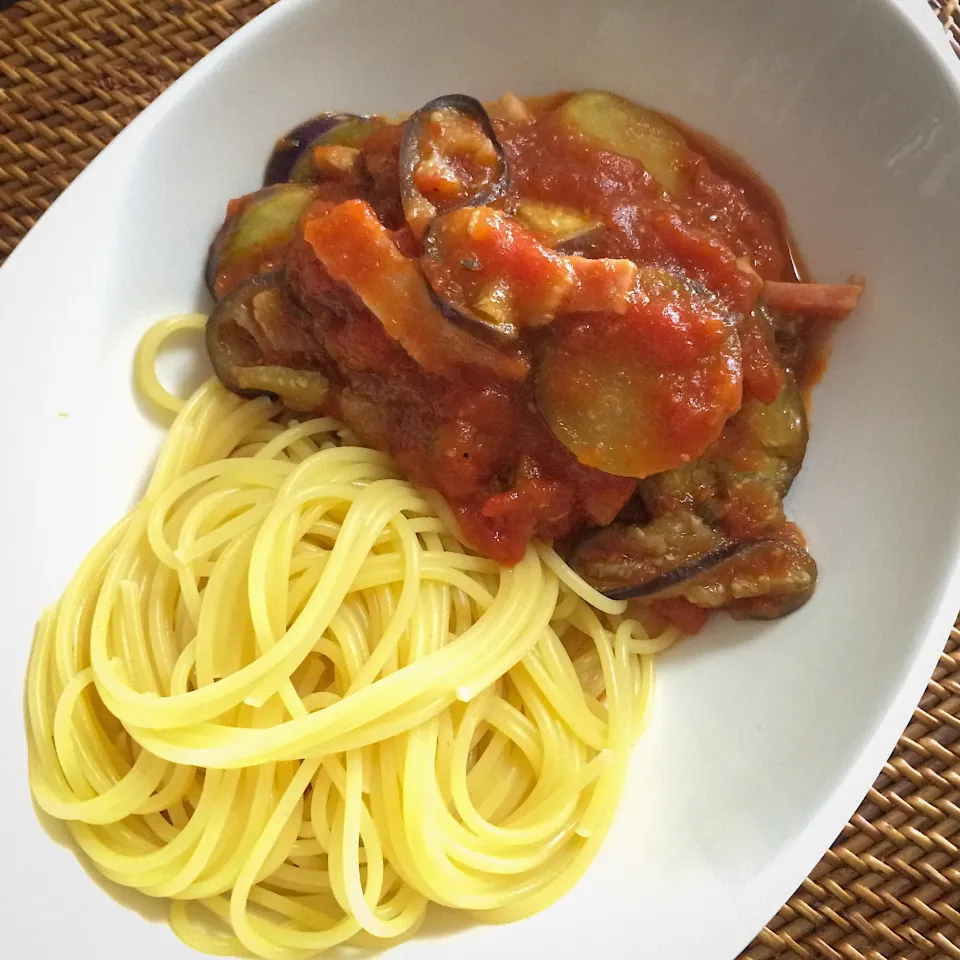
(73, 73)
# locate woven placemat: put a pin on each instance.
(74, 72)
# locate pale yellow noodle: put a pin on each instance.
(282, 693)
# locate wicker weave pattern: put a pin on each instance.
(890, 886)
(74, 72)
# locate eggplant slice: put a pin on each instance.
(467, 257)
(624, 127)
(291, 159)
(619, 419)
(779, 431)
(347, 137)
(467, 159)
(680, 556)
(773, 438)
(490, 316)
(253, 239)
(566, 229)
(258, 347)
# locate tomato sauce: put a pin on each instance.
(477, 439)
(480, 439)
(531, 380)
(703, 233)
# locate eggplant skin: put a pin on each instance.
(291, 147)
(776, 437)
(498, 187)
(456, 310)
(659, 585)
(266, 349)
(780, 433)
(214, 253)
(624, 127)
(261, 231)
(678, 555)
(565, 229)
(228, 343)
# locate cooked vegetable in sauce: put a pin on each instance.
(294, 156)
(574, 318)
(450, 156)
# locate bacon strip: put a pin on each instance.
(357, 250)
(602, 285)
(835, 300)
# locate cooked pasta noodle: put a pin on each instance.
(283, 694)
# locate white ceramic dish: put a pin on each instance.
(766, 736)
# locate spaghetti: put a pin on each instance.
(283, 694)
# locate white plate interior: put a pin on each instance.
(765, 736)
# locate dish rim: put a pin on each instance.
(796, 860)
